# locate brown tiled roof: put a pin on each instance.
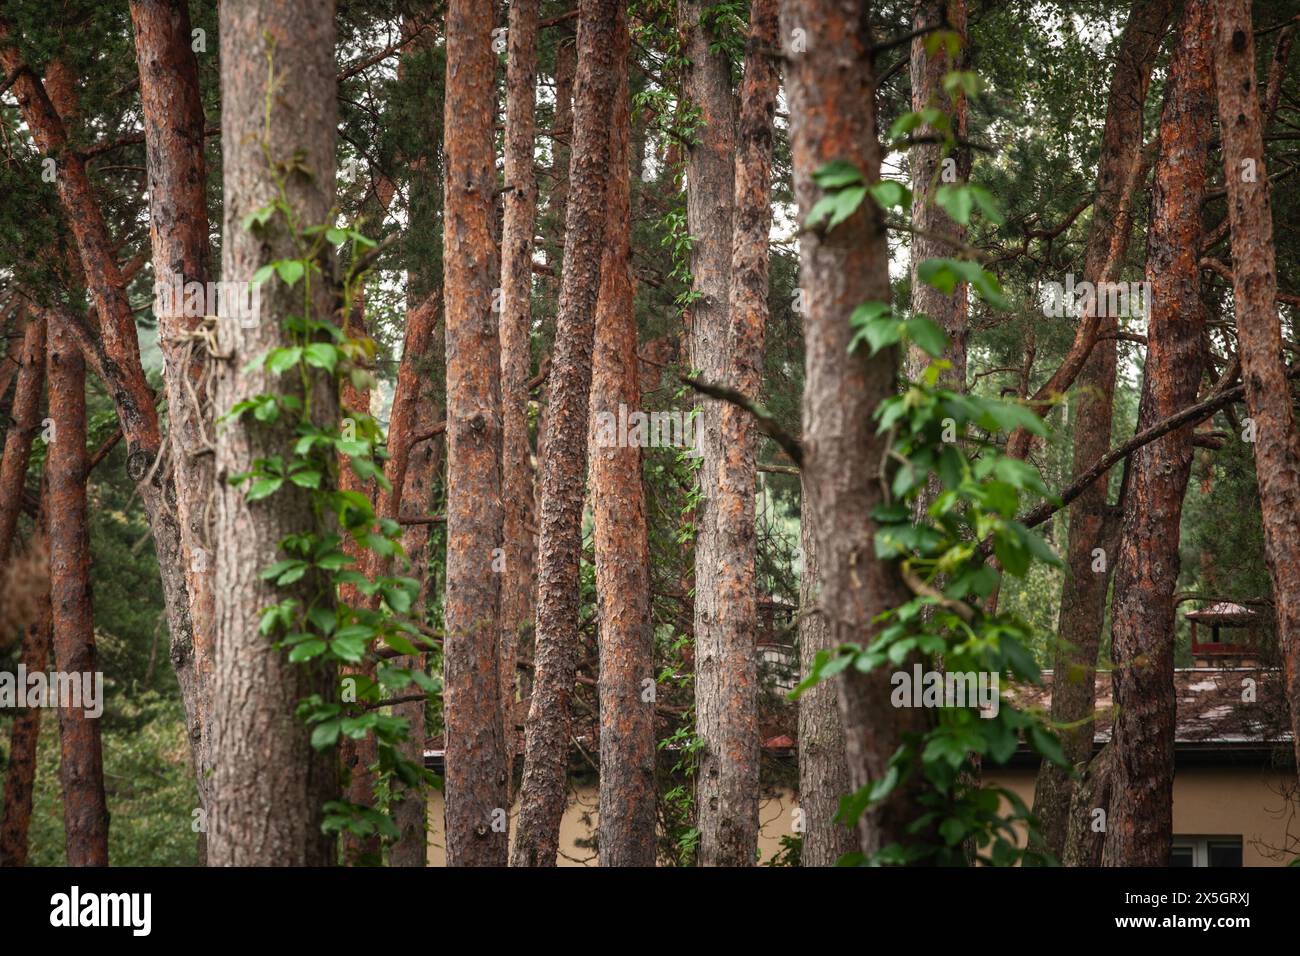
(1243, 705)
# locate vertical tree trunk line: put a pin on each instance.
(25, 734)
(178, 218)
(81, 769)
(929, 175)
(627, 712)
(830, 91)
(726, 815)
(516, 330)
(476, 754)
(1259, 333)
(1140, 825)
(270, 785)
(823, 773)
(1083, 598)
(543, 791)
(26, 414)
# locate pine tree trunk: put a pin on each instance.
(543, 791)
(1083, 596)
(26, 415)
(476, 754)
(1140, 827)
(1259, 336)
(727, 814)
(174, 133)
(81, 769)
(823, 774)
(24, 738)
(516, 356)
(831, 95)
(270, 784)
(928, 175)
(627, 711)
(113, 352)
(423, 468)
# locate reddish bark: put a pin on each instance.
(516, 333)
(1083, 599)
(1140, 824)
(542, 794)
(831, 94)
(24, 737)
(1259, 334)
(114, 355)
(26, 413)
(627, 737)
(476, 766)
(729, 725)
(81, 769)
(178, 229)
(423, 469)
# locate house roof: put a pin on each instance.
(1216, 706)
(1224, 612)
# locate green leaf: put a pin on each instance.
(956, 200)
(927, 335)
(889, 194)
(280, 361)
(306, 651)
(263, 488)
(289, 270)
(322, 355)
(308, 478)
(326, 734)
(837, 174)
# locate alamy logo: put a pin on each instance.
(84, 691)
(241, 301)
(921, 688)
(1109, 300)
(103, 909)
(672, 429)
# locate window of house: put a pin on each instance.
(1206, 851)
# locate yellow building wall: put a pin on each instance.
(1208, 801)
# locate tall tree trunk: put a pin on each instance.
(831, 94)
(516, 356)
(113, 352)
(733, 731)
(174, 129)
(26, 414)
(1140, 827)
(1083, 598)
(932, 169)
(627, 711)
(476, 753)
(823, 773)
(543, 792)
(24, 738)
(423, 467)
(270, 784)
(1259, 335)
(727, 812)
(81, 769)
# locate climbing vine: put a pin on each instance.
(318, 627)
